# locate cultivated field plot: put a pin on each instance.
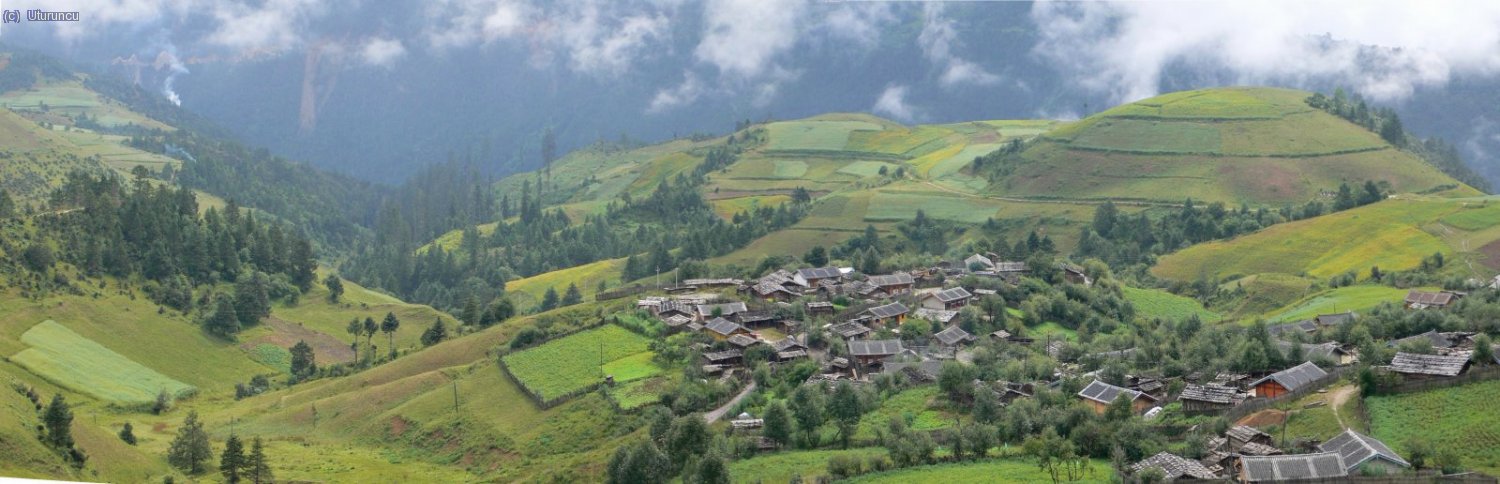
(586, 276)
(73, 99)
(68, 359)
(1475, 217)
(1459, 419)
(639, 393)
(1156, 303)
(920, 404)
(867, 168)
(729, 206)
(1149, 136)
(576, 362)
(895, 141)
(808, 465)
(1003, 470)
(961, 159)
(1227, 103)
(815, 134)
(1359, 299)
(893, 206)
(1386, 234)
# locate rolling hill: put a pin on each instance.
(1258, 146)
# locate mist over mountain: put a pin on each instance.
(379, 90)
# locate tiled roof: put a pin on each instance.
(1294, 377)
(953, 335)
(742, 341)
(819, 273)
(1105, 393)
(879, 347)
(849, 329)
(723, 326)
(888, 310)
(1210, 393)
(1423, 298)
(897, 279)
(723, 355)
(1437, 365)
(952, 294)
(724, 309)
(939, 315)
(1174, 467)
(1324, 465)
(1356, 448)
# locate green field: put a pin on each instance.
(1475, 217)
(921, 405)
(815, 134)
(727, 207)
(1458, 419)
(783, 466)
(62, 356)
(995, 470)
(1156, 303)
(587, 277)
(894, 206)
(1389, 234)
(314, 312)
(1352, 298)
(577, 361)
(1320, 422)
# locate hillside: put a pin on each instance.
(1258, 146)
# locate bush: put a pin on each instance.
(844, 466)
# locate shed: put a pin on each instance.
(1288, 380)
(726, 357)
(708, 311)
(1324, 465)
(721, 328)
(849, 329)
(820, 307)
(1358, 449)
(1240, 436)
(1099, 395)
(1174, 467)
(743, 340)
(1423, 299)
(1427, 366)
(953, 336)
(1208, 397)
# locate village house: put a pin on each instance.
(867, 352)
(947, 299)
(935, 315)
(771, 291)
(811, 278)
(1076, 275)
(849, 329)
(1337, 319)
(721, 329)
(1415, 366)
(1329, 351)
(756, 319)
(676, 321)
(743, 341)
(1174, 467)
(1208, 398)
(893, 284)
(1098, 396)
(1006, 336)
(724, 358)
(1321, 466)
(888, 315)
(978, 262)
(815, 308)
(1435, 340)
(1306, 326)
(1362, 452)
(705, 312)
(1288, 380)
(1423, 299)
(1239, 437)
(705, 283)
(672, 307)
(789, 348)
(953, 337)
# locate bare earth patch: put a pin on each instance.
(326, 349)
(1263, 418)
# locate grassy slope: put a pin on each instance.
(1393, 234)
(1458, 419)
(783, 466)
(529, 291)
(1359, 298)
(993, 470)
(1252, 145)
(1156, 303)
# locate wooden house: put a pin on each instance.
(789, 348)
(724, 358)
(872, 351)
(1329, 351)
(935, 315)
(672, 307)
(893, 284)
(1363, 452)
(1415, 366)
(953, 337)
(1076, 275)
(1175, 468)
(1320, 467)
(1435, 340)
(771, 291)
(889, 314)
(1098, 396)
(756, 319)
(743, 341)
(1306, 326)
(1238, 437)
(819, 307)
(849, 330)
(721, 329)
(1208, 398)
(811, 278)
(1288, 380)
(705, 312)
(1424, 299)
(950, 299)
(1337, 319)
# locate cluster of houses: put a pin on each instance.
(1247, 455)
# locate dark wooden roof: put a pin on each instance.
(1294, 377)
(819, 273)
(849, 329)
(1334, 319)
(725, 309)
(742, 341)
(723, 326)
(1105, 393)
(787, 343)
(1356, 448)
(1245, 433)
(1210, 393)
(952, 294)
(1437, 365)
(953, 335)
(897, 279)
(1174, 467)
(878, 347)
(767, 288)
(1434, 338)
(888, 311)
(1424, 298)
(723, 355)
(1305, 326)
(1325, 465)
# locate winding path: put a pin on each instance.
(718, 413)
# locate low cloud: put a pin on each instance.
(892, 102)
(939, 41)
(382, 52)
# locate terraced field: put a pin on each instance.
(566, 365)
(1359, 299)
(68, 359)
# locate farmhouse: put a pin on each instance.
(887, 314)
(1288, 380)
(1306, 326)
(676, 321)
(1360, 451)
(1239, 437)
(872, 351)
(673, 307)
(1433, 338)
(1174, 467)
(771, 291)
(1208, 398)
(947, 299)
(1076, 275)
(893, 284)
(726, 357)
(1099, 395)
(705, 312)
(789, 348)
(849, 329)
(1419, 366)
(935, 315)
(953, 336)
(1324, 465)
(756, 319)
(721, 329)
(812, 277)
(1423, 299)
(743, 340)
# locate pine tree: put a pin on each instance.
(224, 321)
(232, 462)
(778, 423)
(127, 434)
(190, 451)
(257, 468)
(163, 403)
(389, 326)
(549, 301)
(435, 334)
(354, 329)
(572, 295)
(304, 264)
(370, 328)
(58, 420)
(471, 314)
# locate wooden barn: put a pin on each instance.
(1413, 366)
(1288, 380)
(1208, 398)
(1098, 396)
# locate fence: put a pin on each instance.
(1413, 386)
(1258, 404)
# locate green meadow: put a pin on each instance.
(62, 356)
(575, 362)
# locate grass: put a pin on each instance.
(994, 470)
(888, 206)
(729, 206)
(272, 356)
(1474, 217)
(577, 361)
(1320, 423)
(586, 276)
(1359, 298)
(896, 140)
(639, 393)
(1457, 419)
(316, 313)
(921, 405)
(63, 356)
(783, 466)
(815, 134)
(1388, 234)
(1156, 303)
(867, 168)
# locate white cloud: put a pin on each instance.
(939, 40)
(859, 22)
(743, 37)
(892, 102)
(684, 94)
(102, 15)
(382, 52)
(462, 23)
(270, 26)
(609, 43)
(1383, 48)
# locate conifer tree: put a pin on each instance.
(58, 420)
(232, 462)
(257, 468)
(190, 451)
